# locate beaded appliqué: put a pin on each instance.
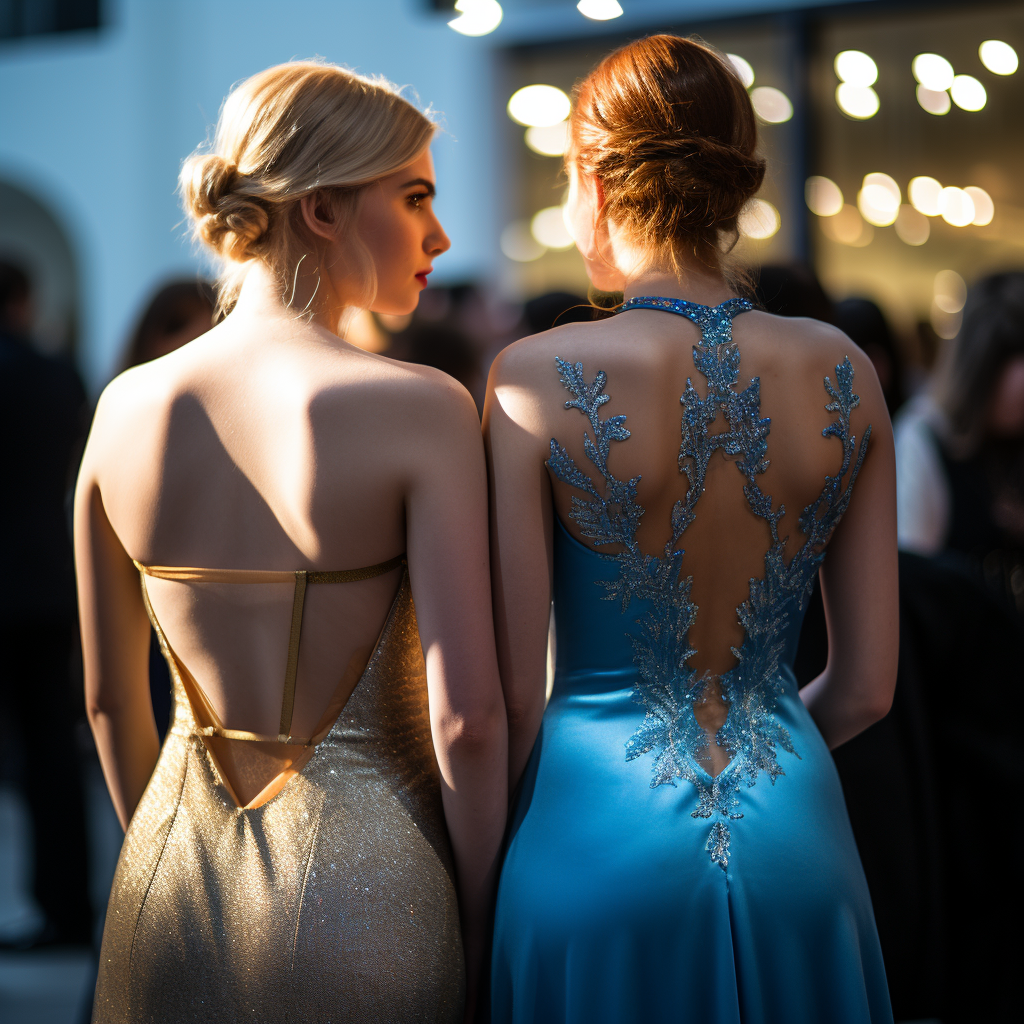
(667, 686)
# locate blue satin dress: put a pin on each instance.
(636, 887)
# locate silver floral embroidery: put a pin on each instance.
(667, 686)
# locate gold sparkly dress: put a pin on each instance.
(325, 895)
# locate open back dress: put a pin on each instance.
(641, 883)
(326, 896)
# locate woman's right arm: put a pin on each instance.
(446, 511)
(115, 641)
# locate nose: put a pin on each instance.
(436, 241)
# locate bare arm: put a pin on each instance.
(115, 646)
(860, 586)
(521, 544)
(448, 567)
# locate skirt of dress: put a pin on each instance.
(333, 901)
(610, 908)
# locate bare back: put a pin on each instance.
(651, 379)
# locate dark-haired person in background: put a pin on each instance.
(42, 421)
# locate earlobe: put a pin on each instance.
(317, 215)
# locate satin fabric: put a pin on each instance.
(609, 907)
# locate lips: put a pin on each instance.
(422, 276)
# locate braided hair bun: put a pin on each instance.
(667, 127)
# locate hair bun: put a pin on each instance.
(226, 219)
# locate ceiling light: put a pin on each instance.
(823, 196)
(932, 71)
(548, 227)
(857, 101)
(476, 17)
(932, 101)
(539, 106)
(743, 69)
(925, 195)
(912, 227)
(856, 68)
(599, 10)
(984, 208)
(999, 57)
(968, 93)
(771, 105)
(956, 207)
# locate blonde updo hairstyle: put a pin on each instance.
(284, 133)
(667, 127)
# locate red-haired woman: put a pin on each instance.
(680, 849)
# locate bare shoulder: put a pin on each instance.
(529, 360)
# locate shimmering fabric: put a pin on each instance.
(625, 896)
(332, 901)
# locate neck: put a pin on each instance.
(261, 296)
(693, 284)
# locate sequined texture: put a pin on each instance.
(333, 901)
(667, 687)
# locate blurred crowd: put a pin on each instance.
(929, 788)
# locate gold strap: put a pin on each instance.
(252, 737)
(288, 699)
(301, 578)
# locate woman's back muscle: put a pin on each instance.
(268, 446)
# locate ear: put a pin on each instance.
(319, 214)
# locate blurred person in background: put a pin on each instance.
(42, 420)
(176, 314)
(960, 447)
(792, 289)
(865, 324)
(179, 312)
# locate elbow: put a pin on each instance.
(878, 703)
(475, 732)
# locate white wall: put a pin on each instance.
(96, 127)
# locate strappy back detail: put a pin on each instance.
(301, 579)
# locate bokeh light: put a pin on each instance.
(932, 101)
(548, 227)
(857, 101)
(911, 226)
(548, 140)
(879, 199)
(600, 10)
(1000, 58)
(856, 67)
(984, 208)
(824, 197)
(476, 17)
(968, 93)
(932, 71)
(925, 195)
(950, 291)
(539, 106)
(759, 220)
(848, 227)
(956, 207)
(743, 69)
(517, 243)
(771, 105)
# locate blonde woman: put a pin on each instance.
(276, 501)
(672, 477)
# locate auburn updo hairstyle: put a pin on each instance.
(667, 127)
(288, 131)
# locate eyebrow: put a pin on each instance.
(423, 183)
